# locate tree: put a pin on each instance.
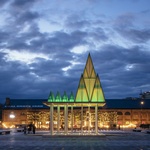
(37, 117)
(109, 118)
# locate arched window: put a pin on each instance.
(119, 113)
(127, 113)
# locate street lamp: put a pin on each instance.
(142, 103)
(12, 116)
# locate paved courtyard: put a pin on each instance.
(42, 141)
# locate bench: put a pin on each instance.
(3, 132)
(20, 130)
(148, 132)
(137, 130)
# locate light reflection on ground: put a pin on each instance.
(113, 140)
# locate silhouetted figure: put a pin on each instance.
(29, 127)
(33, 128)
(25, 129)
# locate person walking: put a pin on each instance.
(29, 128)
(25, 129)
(33, 129)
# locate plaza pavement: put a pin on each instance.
(108, 140)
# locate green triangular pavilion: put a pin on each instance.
(89, 89)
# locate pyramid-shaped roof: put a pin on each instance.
(89, 89)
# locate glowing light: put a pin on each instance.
(106, 126)
(12, 126)
(131, 125)
(47, 122)
(4, 125)
(85, 123)
(12, 116)
(46, 127)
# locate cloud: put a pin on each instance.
(3, 2)
(22, 4)
(138, 36)
(124, 20)
(44, 47)
(80, 49)
(23, 56)
(75, 21)
(122, 69)
(27, 17)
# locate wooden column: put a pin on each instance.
(66, 118)
(96, 120)
(71, 119)
(51, 120)
(89, 119)
(58, 119)
(82, 119)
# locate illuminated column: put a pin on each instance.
(66, 119)
(82, 119)
(123, 120)
(89, 119)
(51, 119)
(96, 122)
(58, 118)
(71, 119)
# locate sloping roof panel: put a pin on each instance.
(26, 103)
(110, 103)
(126, 104)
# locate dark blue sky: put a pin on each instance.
(44, 45)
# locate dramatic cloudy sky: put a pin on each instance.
(44, 45)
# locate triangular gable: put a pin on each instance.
(89, 83)
(88, 67)
(51, 97)
(58, 97)
(65, 97)
(93, 75)
(98, 95)
(89, 89)
(81, 95)
(85, 74)
(71, 99)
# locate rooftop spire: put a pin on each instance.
(89, 89)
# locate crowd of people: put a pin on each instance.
(29, 128)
